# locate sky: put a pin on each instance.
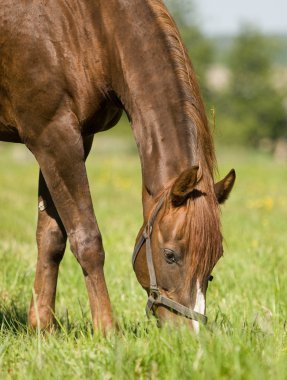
(226, 16)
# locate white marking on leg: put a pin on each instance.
(199, 305)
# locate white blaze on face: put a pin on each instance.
(199, 305)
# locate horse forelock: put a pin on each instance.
(193, 104)
(201, 230)
(204, 235)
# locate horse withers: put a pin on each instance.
(67, 71)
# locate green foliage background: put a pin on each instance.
(251, 105)
(251, 108)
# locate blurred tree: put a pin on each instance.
(200, 49)
(252, 102)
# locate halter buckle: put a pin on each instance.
(154, 292)
(149, 306)
(154, 295)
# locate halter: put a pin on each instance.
(155, 298)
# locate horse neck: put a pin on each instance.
(152, 76)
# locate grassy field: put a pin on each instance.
(247, 301)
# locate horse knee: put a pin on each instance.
(53, 242)
(88, 249)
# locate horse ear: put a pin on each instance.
(223, 188)
(183, 186)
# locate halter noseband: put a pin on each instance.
(155, 298)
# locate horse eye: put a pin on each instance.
(169, 256)
(210, 278)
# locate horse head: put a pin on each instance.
(179, 246)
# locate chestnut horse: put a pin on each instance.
(68, 69)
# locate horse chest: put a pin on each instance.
(105, 117)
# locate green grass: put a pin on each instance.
(247, 302)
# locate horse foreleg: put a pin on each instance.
(51, 241)
(59, 149)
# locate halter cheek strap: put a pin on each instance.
(155, 298)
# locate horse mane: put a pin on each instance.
(193, 104)
(203, 224)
